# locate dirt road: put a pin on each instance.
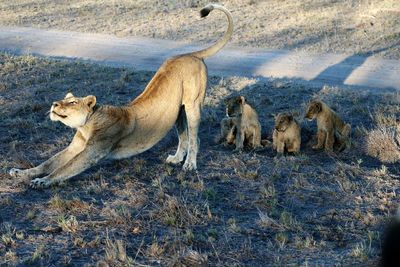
(364, 71)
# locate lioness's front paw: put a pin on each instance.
(173, 159)
(189, 166)
(41, 183)
(18, 173)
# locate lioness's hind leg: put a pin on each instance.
(182, 130)
(193, 120)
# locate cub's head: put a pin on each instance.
(234, 106)
(313, 108)
(73, 111)
(283, 121)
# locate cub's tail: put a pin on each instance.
(208, 52)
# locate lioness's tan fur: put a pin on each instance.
(173, 96)
(331, 128)
(287, 134)
(242, 124)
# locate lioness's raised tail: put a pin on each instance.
(207, 52)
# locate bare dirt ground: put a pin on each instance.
(239, 209)
(345, 26)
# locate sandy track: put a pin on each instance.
(147, 54)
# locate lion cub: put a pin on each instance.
(228, 132)
(286, 134)
(241, 125)
(331, 129)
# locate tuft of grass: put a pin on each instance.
(267, 222)
(7, 235)
(64, 205)
(118, 215)
(232, 225)
(68, 224)
(281, 239)
(383, 143)
(361, 251)
(193, 258)
(155, 250)
(116, 252)
(10, 257)
(307, 242)
(38, 254)
(175, 212)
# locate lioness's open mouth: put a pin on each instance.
(59, 115)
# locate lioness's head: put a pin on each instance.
(283, 121)
(73, 111)
(313, 108)
(234, 106)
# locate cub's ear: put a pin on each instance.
(90, 100)
(68, 95)
(318, 106)
(241, 100)
(290, 117)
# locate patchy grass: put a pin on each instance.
(237, 209)
(349, 26)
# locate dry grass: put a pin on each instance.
(237, 209)
(354, 27)
(384, 143)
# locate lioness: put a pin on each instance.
(287, 134)
(241, 124)
(173, 96)
(331, 129)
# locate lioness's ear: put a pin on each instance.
(90, 100)
(68, 95)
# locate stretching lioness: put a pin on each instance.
(331, 129)
(286, 134)
(242, 124)
(173, 96)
